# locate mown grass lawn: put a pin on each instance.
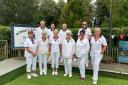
(61, 80)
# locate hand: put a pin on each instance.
(34, 54)
(102, 52)
(48, 54)
(47, 58)
(60, 54)
(74, 59)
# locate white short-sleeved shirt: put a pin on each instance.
(55, 44)
(43, 46)
(62, 34)
(39, 31)
(68, 48)
(96, 46)
(28, 44)
(87, 32)
(82, 47)
(51, 34)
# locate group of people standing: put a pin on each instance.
(60, 46)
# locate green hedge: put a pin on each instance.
(5, 32)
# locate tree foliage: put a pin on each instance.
(75, 12)
(119, 12)
(29, 11)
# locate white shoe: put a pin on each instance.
(53, 73)
(44, 73)
(65, 74)
(70, 76)
(41, 73)
(29, 76)
(94, 82)
(34, 75)
(56, 73)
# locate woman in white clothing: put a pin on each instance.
(55, 52)
(63, 31)
(88, 35)
(82, 50)
(30, 54)
(43, 54)
(62, 35)
(52, 29)
(68, 51)
(98, 46)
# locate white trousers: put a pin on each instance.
(68, 65)
(31, 63)
(42, 63)
(96, 59)
(87, 60)
(81, 63)
(55, 59)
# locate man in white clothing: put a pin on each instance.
(41, 29)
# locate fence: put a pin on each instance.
(114, 54)
(6, 50)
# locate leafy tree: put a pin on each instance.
(119, 12)
(48, 11)
(75, 12)
(18, 11)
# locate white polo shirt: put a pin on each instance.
(55, 44)
(28, 44)
(51, 34)
(68, 48)
(96, 46)
(62, 34)
(39, 31)
(43, 46)
(82, 47)
(87, 32)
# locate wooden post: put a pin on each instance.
(19, 53)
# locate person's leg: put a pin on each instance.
(40, 58)
(87, 60)
(28, 67)
(56, 63)
(45, 65)
(69, 61)
(79, 60)
(92, 60)
(96, 65)
(52, 62)
(82, 66)
(65, 67)
(34, 61)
